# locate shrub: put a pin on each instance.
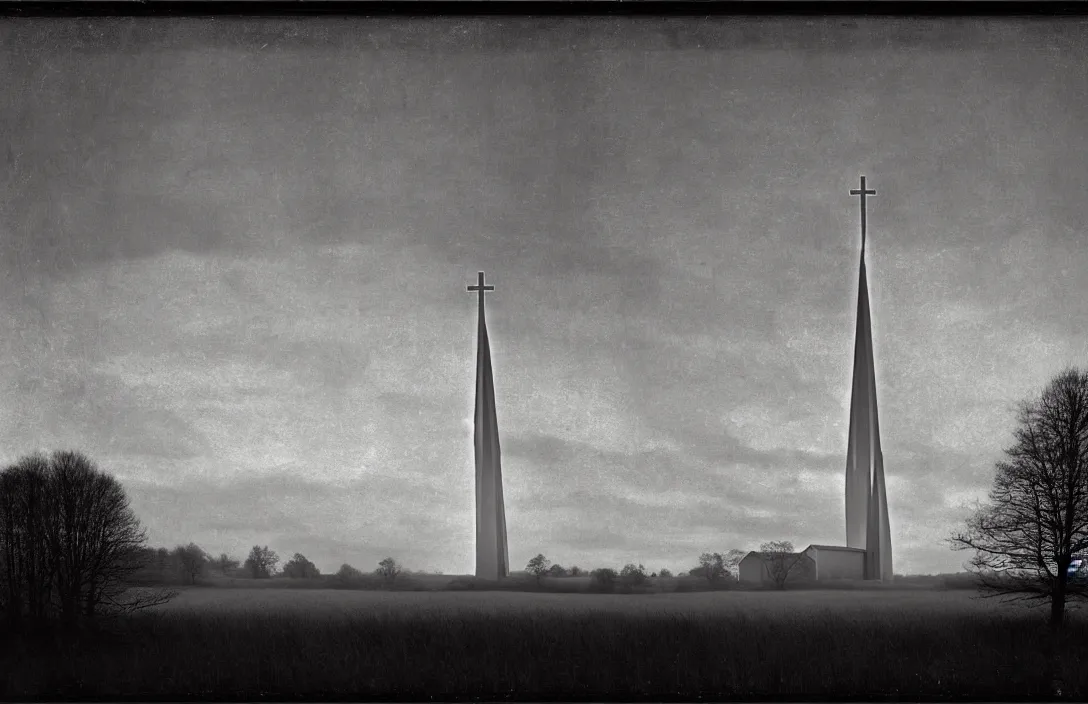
(604, 579)
(347, 577)
(633, 575)
(298, 567)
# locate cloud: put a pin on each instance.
(63, 408)
(358, 520)
(237, 273)
(600, 505)
(599, 489)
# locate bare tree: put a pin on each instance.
(191, 561)
(538, 567)
(780, 560)
(388, 569)
(116, 595)
(157, 566)
(27, 573)
(1036, 520)
(94, 537)
(70, 541)
(261, 562)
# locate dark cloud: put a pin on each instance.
(102, 413)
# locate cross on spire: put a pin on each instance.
(861, 192)
(481, 288)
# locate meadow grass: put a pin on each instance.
(238, 644)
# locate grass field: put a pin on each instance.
(722, 603)
(280, 643)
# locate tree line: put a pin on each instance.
(71, 547)
(186, 564)
(716, 568)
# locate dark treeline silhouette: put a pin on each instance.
(191, 565)
(68, 542)
(298, 567)
(261, 562)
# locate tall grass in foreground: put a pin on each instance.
(551, 654)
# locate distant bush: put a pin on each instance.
(298, 567)
(261, 562)
(191, 561)
(225, 564)
(604, 579)
(158, 566)
(348, 577)
(633, 575)
(538, 567)
(389, 570)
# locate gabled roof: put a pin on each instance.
(834, 547)
(764, 555)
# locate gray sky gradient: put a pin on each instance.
(233, 259)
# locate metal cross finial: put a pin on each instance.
(862, 192)
(481, 288)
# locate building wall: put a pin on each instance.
(753, 570)
(803, 571)
(838, 564)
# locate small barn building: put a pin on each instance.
(817, 562)
(759, 567)
(836, 562)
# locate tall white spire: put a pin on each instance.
(492, 555)
(867, 524)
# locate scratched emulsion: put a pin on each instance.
(233, 259)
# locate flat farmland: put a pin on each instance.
(720, 604)
(238, 643)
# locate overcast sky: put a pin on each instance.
(234, 258)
